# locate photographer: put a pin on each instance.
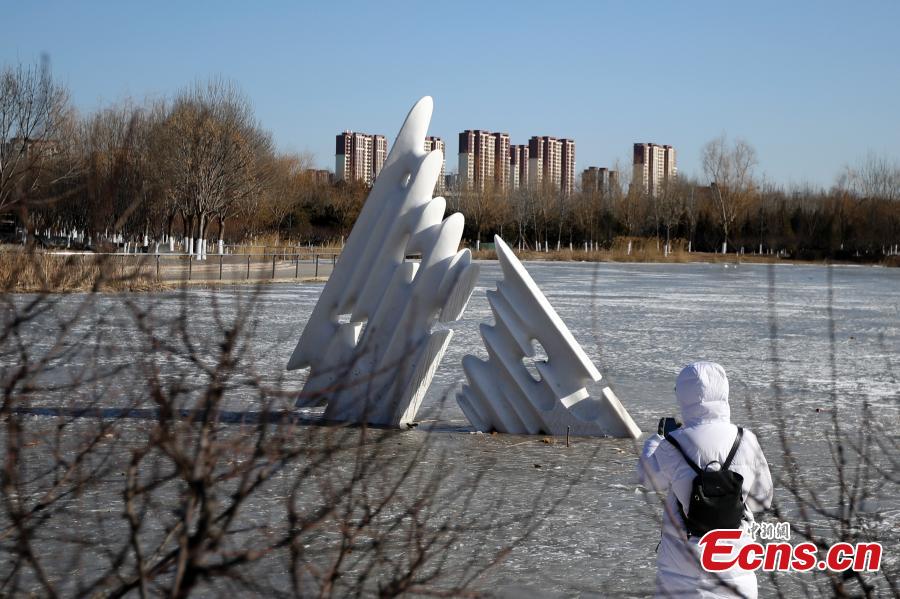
(715, 476)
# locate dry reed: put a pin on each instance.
(37, 272)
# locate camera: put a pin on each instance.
(667, 425)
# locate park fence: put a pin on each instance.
(174, 267)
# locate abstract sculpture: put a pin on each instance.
(369, 342)
(503, 395)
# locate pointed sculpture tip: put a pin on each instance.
(501, 248)
(413, 131)
(424, 104)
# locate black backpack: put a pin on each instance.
(716, 500)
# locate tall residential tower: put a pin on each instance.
(654, 167)
(551, 163)
(483, 160)
(359, 156)
(436, 143)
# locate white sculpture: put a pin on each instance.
(369, 342)
(502, 394)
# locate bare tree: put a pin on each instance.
(34, 110)
(128, 471)
(288, 176)
(627, 201)
(215, 154)
(729, 169)
(876, 177)
(344, 201)
(475, 204)
(839, 505)
(671, 201)
(118, 186)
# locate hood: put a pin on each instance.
(702, 392)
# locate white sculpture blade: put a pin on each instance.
(501, 393)
(377, 365)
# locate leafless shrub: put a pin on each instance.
(840, 503)
(133, 466)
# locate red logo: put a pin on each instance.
(719, 552)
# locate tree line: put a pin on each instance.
(199, 167)
(185, 170)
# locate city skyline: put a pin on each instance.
(783, 77)
(487, 159)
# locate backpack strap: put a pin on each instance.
(687, 459)
(734, 448)
(728, 460)
(682, 513)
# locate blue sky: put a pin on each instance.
(812, 85)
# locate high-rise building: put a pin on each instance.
(654, 166)
(518, 166)
(551, 162)
(320, 176)
(598, 179)
(436, 143)
(501, 161)
(380, 150)
(593, 179)
(489, 157)
(567, 166)
(359, 156)
(451, 183)
(477, 160)
(543, 158)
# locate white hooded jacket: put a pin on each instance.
(707, 435)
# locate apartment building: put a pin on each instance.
(551, 162)
(380, 148)
(653, 167)
(477, 159)
(567, 166)
(319, 176)
(518, 166)
(501, 161)
(436, 143)
(359, 156)
(599, 180)
(485, 156)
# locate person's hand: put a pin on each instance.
(667, 425)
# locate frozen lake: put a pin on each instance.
(639, 323)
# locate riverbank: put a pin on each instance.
(675, 257)
(52, 273)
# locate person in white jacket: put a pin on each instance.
(707, 435)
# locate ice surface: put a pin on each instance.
(639, 323)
